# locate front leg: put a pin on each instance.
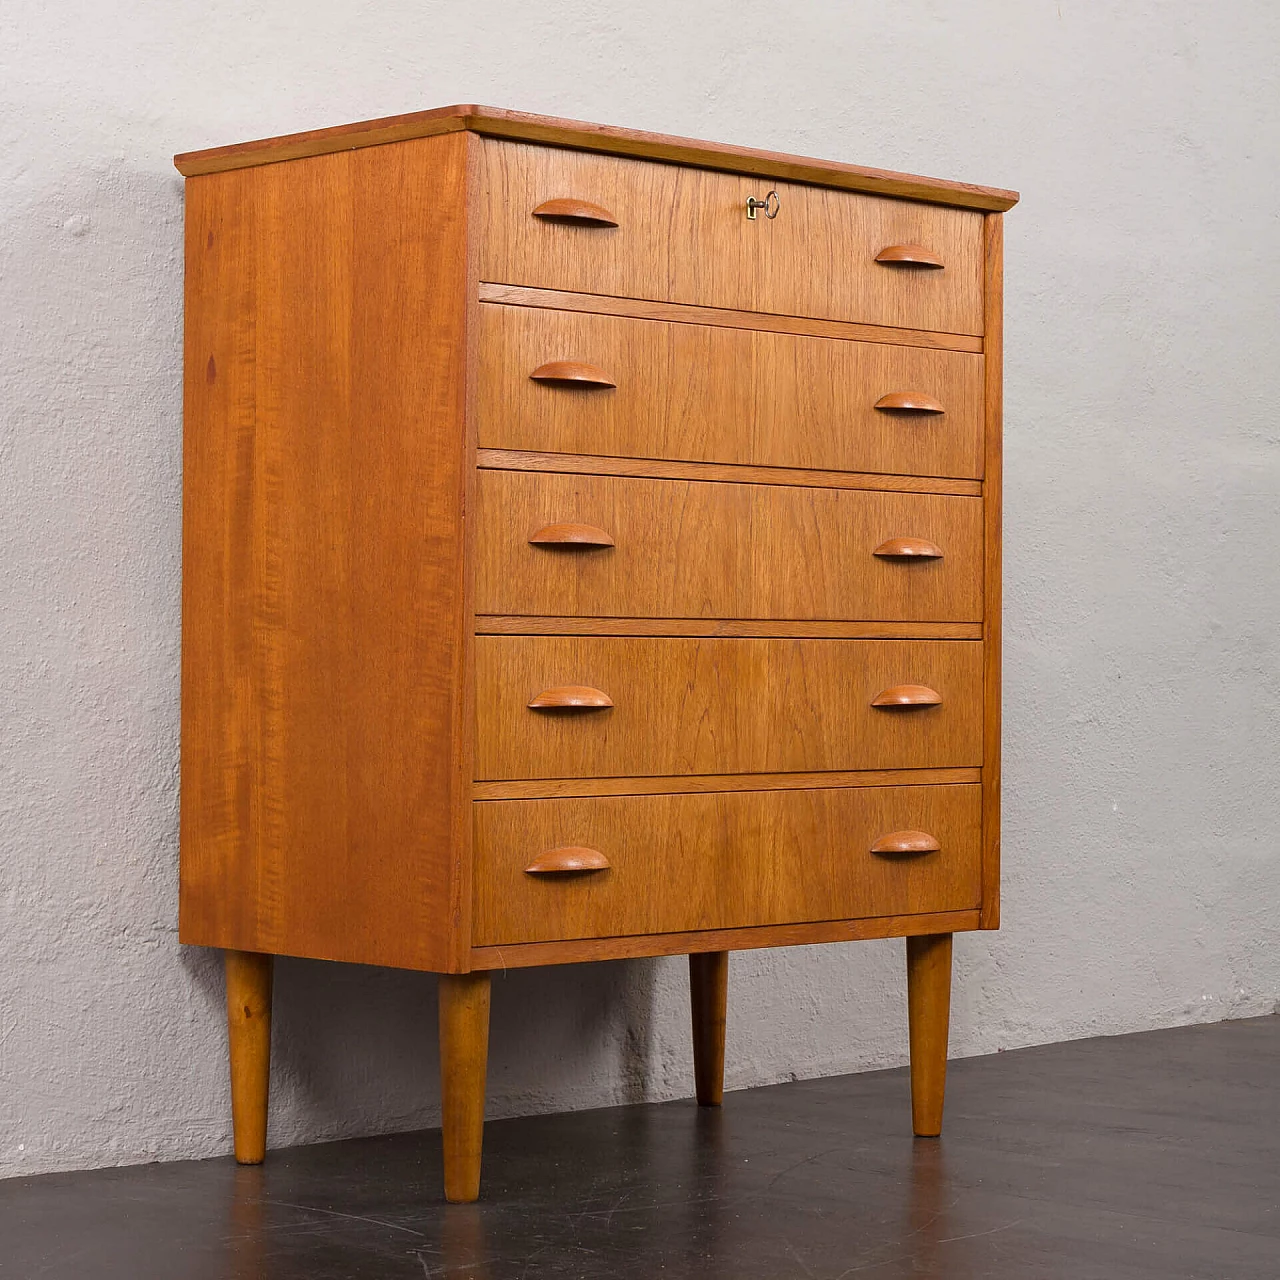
(709, 994)
(929, 1016)
(249, 1048)
(464, 1054)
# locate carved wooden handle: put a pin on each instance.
(567, 859)
(570, 535)
(906, 402)
(908, 549)
(908, 255)
(571, 371)
(908, 695)
(581, 213)
(582, 696)
(900, 844)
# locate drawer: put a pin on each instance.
(701, 393)
(700, 549)
(682, 235)
(720, 861)
(709, 706)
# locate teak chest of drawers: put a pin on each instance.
(591, 549)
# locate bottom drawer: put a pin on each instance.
(719, 861)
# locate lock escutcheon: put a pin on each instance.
(770, 205)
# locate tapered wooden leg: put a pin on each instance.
(464, 1054)
(929, 1014)
(249, 1046)
(709, 994)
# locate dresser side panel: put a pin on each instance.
(993, 304)
(324, 628)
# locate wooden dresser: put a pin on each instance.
(591, 549)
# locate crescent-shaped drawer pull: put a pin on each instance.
(566, 860)
(577, 696)
(908, 255)
(570, 535)
(908, 549)
(571, 372)
(905, 844)
(908, 695)
(907, 402)
(580, 213)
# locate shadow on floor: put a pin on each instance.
(1153, 1155)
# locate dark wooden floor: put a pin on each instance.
(1154, 1155)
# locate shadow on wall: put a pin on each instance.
(355, 1049)
(90, 378)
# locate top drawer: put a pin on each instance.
(683, 235)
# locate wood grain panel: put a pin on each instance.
(726, 860)
(722, 550)
(644, 309)
(705, 394)
(683, 236)
(580, 950)
(596, 137)
(723, 706)
(321, 770)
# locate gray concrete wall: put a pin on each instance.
(1142, 521)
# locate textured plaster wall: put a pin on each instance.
(1143, 589)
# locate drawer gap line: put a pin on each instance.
(516, 955)
(723, 318)
(490, 789)
(723, 628)
(488, 459)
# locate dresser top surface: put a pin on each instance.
(521, 126)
